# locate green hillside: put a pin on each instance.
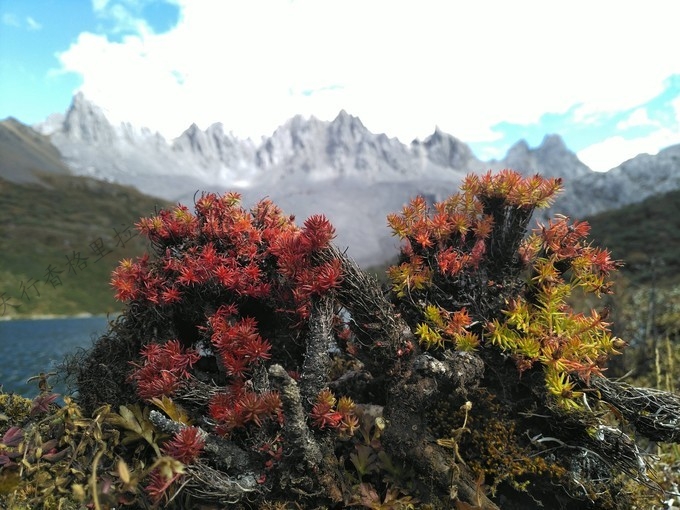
(60, 238)
(26, 154)
(646, 236)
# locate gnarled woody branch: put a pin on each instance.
(444, 477)
(383, 334)
(316, 364)
(312, 463)
(654, 413)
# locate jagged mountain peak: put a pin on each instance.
(518, 150)
(84, 108)
(192, 139)
(87, 122)
(311, 124)
(79, 101)
(552, 158)
(344, 118)
(553, 142)
(446, 150)
(216, 129)
(438, 133)
(441, 138)
(215, 148)
(298, 123)
(346, 130)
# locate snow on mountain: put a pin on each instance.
(90, 145)
(229, 159)
(338, 168)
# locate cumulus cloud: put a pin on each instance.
(122, 16)
(99, 5)
(613, 151)
(402, 67)
(639, 117)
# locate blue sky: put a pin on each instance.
(604, 75)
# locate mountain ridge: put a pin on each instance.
(317, 149)
(336, 167)
(27, 154)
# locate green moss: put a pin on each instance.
(15, 407)
(491, 446)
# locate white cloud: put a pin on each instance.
(33, 24)
(639, 117)
(99, 5)
(121, 16)
(676, 106)
(613, 151)
(402, 67)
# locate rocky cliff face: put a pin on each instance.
(343, 148)
(302, 149)
(86, 123)
(445, 150)
(632, 181)
(552, 159)
(339, 168)
(215, 147)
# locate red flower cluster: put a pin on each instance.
(237, 341)
(164, 368)
(455, 235)
(222, 244)
(563, 239)
(186, 445)
(159, 485)
(294, 253)
(227, 253)
(451, 262)
(562, 246)
(225, 245)
(237, 407)
(169, 226)
(325, 413)
(247, 264)
(513, 188)
(126, 276)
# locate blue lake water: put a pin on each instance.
(28, 347)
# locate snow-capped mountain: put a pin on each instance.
(307, 149)
(338, 168)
